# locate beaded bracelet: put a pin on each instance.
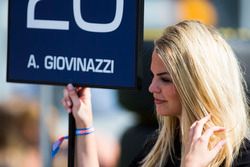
(79, 132)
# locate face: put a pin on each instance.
(166, 98)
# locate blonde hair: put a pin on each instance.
(208, 79)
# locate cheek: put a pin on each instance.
(172, 96)
(170, 92)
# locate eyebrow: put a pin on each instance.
(162, 73)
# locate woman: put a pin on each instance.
(199, 96)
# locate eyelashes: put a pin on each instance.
(166, 80)
(163, 76)
(163, 79)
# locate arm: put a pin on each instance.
(78, 101)
(197, 153)
(86, 151)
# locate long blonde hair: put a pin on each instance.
(208, 79)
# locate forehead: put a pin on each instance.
(157, 64)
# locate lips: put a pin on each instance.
(159, 101)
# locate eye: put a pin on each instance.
(166, 80)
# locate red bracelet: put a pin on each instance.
(79, 132)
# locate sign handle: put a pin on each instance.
(71, 144)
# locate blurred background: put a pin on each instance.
(31, 116)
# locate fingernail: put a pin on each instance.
(70, 87)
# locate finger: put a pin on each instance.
(199, 127)
(191, 133)
(64, 103)
(65, 92)
(193, 125)
(66, 98)
(73, 95)
(191, 130)
(217, 148)
(68, 109)
(79, 88)
(208, 133)
(84, 93)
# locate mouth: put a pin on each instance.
(159, 101)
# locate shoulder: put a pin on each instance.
(243, 159)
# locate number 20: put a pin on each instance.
(64, 25)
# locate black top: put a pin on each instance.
(243, 159)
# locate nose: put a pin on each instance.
(154, 87)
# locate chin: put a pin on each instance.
(163, 112)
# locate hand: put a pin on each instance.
(78, 101)
(197, 153)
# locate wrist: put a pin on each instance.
(81, 124)
(84, 131)
(78, 132)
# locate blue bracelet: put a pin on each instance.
(84, 131)
(79, 132)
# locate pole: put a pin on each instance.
(71, 145)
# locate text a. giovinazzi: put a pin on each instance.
(79, 64)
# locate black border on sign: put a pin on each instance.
(138, 52)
